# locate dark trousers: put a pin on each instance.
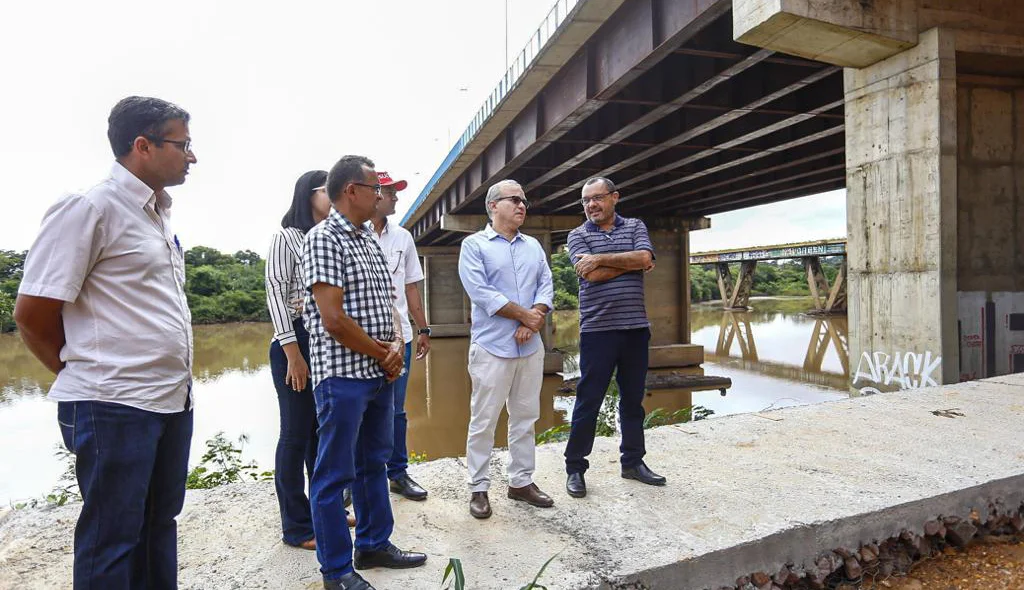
(296, 444)
(131, 467)
(356, 418)
(601, 353)
(399, 461)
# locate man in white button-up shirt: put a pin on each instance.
(404, 266)
(102, 304)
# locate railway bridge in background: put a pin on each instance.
(828, 298)
(696, 107)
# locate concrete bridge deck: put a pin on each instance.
(746, 493)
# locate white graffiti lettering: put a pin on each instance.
(909, 370)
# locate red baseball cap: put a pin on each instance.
(385, 180)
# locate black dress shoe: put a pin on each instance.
(643, 474)
(575, 485)
(392, 557)
(350, 581)
(408, 488)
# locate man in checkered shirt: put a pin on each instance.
(356, 351)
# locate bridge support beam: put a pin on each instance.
(667, 297)
(934, 107)
(827, 298)
(736, 295)
(444, 301)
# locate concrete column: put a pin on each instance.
(552, 359)
(667, 295)
(901, 217)
(444, 300)
(934, 151)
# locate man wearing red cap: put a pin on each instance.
(404, 264)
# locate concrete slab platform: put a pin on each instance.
(745, 493)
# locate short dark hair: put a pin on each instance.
(300, 214)
(139, 115)
(347, 169)
(608, 184)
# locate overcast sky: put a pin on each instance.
(274, 92)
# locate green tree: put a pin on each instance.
(6, 312)
(206, 280)
(247, 257)
(202, 256)
(567, 285)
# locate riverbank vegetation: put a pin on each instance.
(782, 278)
(229, 287)
(220, 287)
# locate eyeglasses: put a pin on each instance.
(389, 191)
(518, 201)
(185, 146)
(376, 187)
(599, 198)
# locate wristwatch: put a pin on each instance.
(424, 331)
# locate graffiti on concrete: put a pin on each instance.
(880, 371)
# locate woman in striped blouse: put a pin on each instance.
(289, 357)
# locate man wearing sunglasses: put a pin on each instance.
(508, 280)
(404, 266)
(611, 254)
(102, 304)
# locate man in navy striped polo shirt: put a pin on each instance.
(610, 254)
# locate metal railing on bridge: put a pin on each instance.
(834, 247)
(555, 17)
(828, 298)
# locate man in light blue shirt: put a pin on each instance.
(508, 280)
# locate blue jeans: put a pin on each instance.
(356, 419)
(296, 445)
(131, 467)
(399, 461)
(601, 353)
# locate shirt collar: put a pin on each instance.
(386, 230)
(139, 191)
(490, 233)
(342, 223)
(591, 226)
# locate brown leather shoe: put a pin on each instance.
(479, 505)
(351, 518)
(532, 495)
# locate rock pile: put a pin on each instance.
(846, 569)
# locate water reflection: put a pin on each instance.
(230, 347)
(773, 340)
(20, 373)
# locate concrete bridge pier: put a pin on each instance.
(444, 301)
(934, 108)
(736, 293)
(667, 293)
(827, 298)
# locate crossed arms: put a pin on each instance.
(604, 267)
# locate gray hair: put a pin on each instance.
(494, 193)
(609, 186)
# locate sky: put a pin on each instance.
(273, 92)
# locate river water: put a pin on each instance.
(775, 356)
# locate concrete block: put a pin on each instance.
(553, 362)
(835, 31)
(675, 355)
(992, 127)
(449, 330)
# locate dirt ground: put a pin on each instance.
(994, 564)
